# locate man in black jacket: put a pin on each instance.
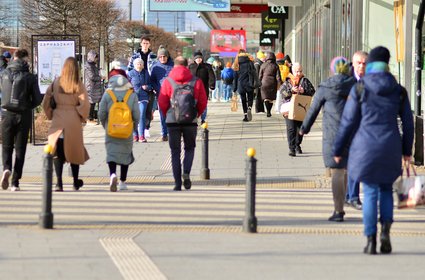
(16, 123)
(204, 72)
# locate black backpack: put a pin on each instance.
(15, 95)
(183, 104)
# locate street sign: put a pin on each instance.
(266, 41)
(269, 23)
(280, 12)
(271, 34)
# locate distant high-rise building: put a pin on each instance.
(9, 17)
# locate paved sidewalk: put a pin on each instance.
(151, 232)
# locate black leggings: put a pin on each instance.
(60, 159)
(113, 169)
(93, 112)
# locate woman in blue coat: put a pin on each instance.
(139, 78)
(377, 147)
(331, 96)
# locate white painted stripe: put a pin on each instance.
(132, 262)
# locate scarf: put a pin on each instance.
(376, 67)
(296, 80)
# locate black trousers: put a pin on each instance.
(175, 134)
(149, 110)
(247, 98)
(293, 129)
(259, 103)
(60, 159)
(15, 131)
(93, 112)
(113, 169)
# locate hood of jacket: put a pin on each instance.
(18, 65)
(381, 83)
(341, 83)
(243, 58)
(180, 74)
(119, 82)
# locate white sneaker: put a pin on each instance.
(249, 114)
(15, 189)
(122, 186)
(147, 134)
(5, 179)
(113, 183)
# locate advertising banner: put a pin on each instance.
(190, 5)
(50, 58)
(278, 12)
(268, 23)
(228, 40)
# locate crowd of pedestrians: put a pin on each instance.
(360, 103)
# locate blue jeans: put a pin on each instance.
(227, 92)
(204, 115)
(142, 123)
(374, 194)
(353, 190)
(164, 130)
(218, 91)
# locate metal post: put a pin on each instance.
(205, 171)
(250, 221)
(419, 153)
(46, 215)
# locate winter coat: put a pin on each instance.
(285, 89)
(270, 78)
(244, 76)
(118, 150)
(257, 66)
(72, 109)
(149, 59)
(181, 75)
(331, 95)
(139, 79)
(159, 73)
(217, 66)
(371, 116)
(93, 82)
(228, 75)
(204, 72)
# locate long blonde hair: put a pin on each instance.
(70, 76)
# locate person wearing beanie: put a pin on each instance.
(294, 84)
(227, 75)
(160, 70)
(279, 56)
(139, 78)
(377, 148)
(331, 96)
(93, 83)
(259, 103)
(119, 151)
(7, 56)
(204, 72)
(270, 80)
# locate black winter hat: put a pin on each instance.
(197, 54)
(379, 54)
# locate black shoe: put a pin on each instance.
(177, 188)
(58, 188)
(79, 184)
(245, 119)
(269, 115)
(299, 151)
(385, 239)
(202, 122)
(186, 182)
(337, 217)
(356, 204)
(292, 154)
(164, 138)
(371, 245)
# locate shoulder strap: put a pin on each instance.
(127, 95)
(172, 82)
(360, 90)
(112, 95)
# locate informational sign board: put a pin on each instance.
(228, 40)
(268, 23)
(50, 58)
(278, 12)
(265, 41)
(190, 5)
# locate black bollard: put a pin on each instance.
(250, 221)
(46, 215)
(205, 171)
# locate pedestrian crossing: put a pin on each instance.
(211, 207)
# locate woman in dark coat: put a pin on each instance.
(270, 81)
(377, 147)
(331, 96)
(244, 82)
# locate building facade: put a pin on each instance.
(9, 22)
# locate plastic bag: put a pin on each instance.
(410, 190)
(234, 103)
